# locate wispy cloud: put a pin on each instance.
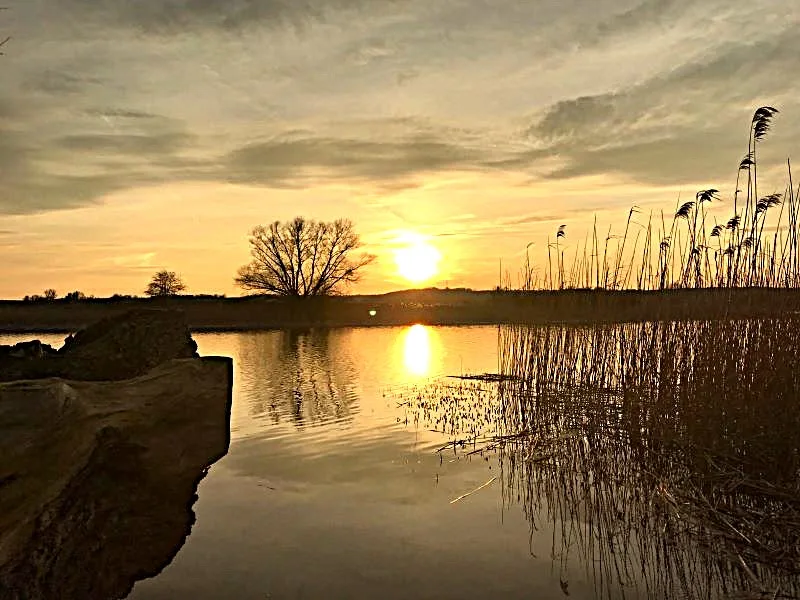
(290, 157)
(135, 261)
(382, 100)
(174, 16)
(687, 125)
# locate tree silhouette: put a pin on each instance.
(50, 294)
(302, 258)
(165, 283)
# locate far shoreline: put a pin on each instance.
(436, 307)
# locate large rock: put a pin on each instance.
(102, 446)
(97, 479)
(116, 348)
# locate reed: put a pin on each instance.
(665, 456)
(755, 247)
(690, 429)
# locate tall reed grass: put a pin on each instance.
(665, 456)
(757, 246)
(667, 453)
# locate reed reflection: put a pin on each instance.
(664, 456)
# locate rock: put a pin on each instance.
(102, 446)
(28, 350)
(98, 478)
(116, 348)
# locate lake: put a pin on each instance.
(359, 469)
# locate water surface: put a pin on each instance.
(359, 469)
(329, 492)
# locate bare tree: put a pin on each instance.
(165, 283)
(303, 258)
(50, 294)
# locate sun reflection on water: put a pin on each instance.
(417, 350)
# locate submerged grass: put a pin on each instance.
(665, 456)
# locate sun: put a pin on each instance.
(417, 260)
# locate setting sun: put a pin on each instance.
(417, 260)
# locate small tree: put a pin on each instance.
(302, 258)
(50, 294)
(165, 283)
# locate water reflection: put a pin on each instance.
(417, 350)
(649, 460)
(420, 353)
(300, 376)
(664, 456)
(343, 375)
(310, 377)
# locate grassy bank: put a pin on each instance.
(433, 307)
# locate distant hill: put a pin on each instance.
(430, 295)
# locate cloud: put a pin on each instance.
(513, 225)
(125, 144)
(290, 157)
(32, 191)
(42, 173)
(59, 83)
(122, 113)
(143, 260)
(530, 219)
(371, 51)
(688, 125)
(385, 92)
(665, 161)
(648, 14)
(571, 118)
(171, 16)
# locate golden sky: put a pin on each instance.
(136, 136)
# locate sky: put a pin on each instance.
(148, 135)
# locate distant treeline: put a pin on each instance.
(80, 296)
(433, 307)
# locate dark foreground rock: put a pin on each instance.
(97, 479)
(113, 349)
(102, 446)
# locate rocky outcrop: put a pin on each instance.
(98, 478)
(26, 350)
(116, 348)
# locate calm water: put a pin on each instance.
(336, 486)
(327, 492)
(330, 490)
